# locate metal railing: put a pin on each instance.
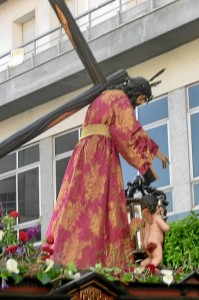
(86, 21)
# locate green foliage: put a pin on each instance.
(44, 278)
(151, 279)
(111, 273)
(72, 267)
(181, 248)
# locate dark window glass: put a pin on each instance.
(8, 194)
(196, 194)
(195, 143)
(8, 163)
(193, 96)
(129, 172)
(60, 171)
(28, 193)
(159, 135)
(28, 156)
(66, 142)
(154, 111)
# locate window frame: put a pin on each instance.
(155, 124)
(191, 112)
(19, 170)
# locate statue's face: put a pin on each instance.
(141, 99)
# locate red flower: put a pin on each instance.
(14, 214)
(51, 251)
(47, 249)
(151, 268)
(44, 257)
(12, 248)
(117, 276)
(131, 269)
(23, 236)
(50, 240)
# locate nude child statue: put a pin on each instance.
(152, 233)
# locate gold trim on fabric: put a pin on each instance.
(95, 129)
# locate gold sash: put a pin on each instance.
(95, 129)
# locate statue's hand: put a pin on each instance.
(163, 158)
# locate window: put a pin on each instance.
(28, 34)
(23, 32)
(64, 145)
(19, 184)
(193, 105)
(154, 119)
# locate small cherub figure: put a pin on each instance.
(152, 231)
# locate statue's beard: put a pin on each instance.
(133, 101)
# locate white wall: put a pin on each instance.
(9, 12)
(182, 66)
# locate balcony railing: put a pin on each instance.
(87, 22)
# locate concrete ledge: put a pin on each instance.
(136, 41)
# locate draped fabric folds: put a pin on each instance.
(89, 222)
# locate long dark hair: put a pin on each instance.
(134, 87)
(137, 86)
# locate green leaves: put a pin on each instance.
(151, 279)
(181, 248)
(72, 267)
(53, 273)
(126, 277)
(112, 273)
(44, 278)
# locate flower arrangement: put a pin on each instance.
(20, 259)
(135, 273)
